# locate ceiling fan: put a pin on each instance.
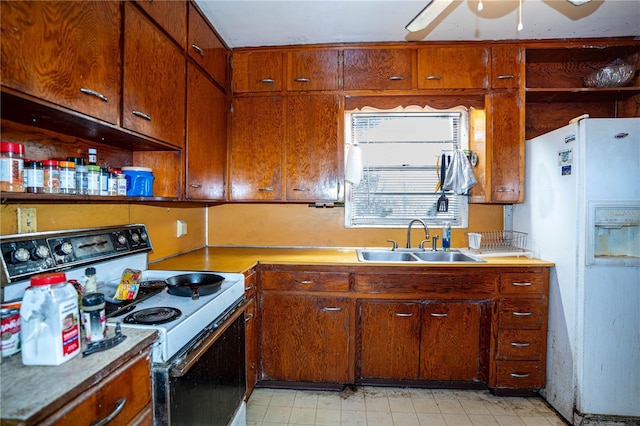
(434, 8)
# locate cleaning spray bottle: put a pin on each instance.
(446, 236)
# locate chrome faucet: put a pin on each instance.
(426, 232)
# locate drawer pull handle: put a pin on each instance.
(302, 80)
(198, 49)
(520, 344)
(267, 81)
(305, 281)
(301, 189)
(522, 284)
(118, 408)
(433, 77)
(520, 375)
(331, 309)
(248, 318)
(506, 190)
(249, 288)
(268, 189)
(396, 78)
(439, 315)
(141, 114)
(522, 314)
(195, 185)
(505, 77)
(400, 314)
(94, 93)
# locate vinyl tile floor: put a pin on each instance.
(367, 405)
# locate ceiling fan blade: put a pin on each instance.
(431, 11)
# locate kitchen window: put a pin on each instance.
(394, 176)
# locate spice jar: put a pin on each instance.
(51, 176)
(93, 179)
(81, 174)
(104, 181)
(11, 167)
(67, 177)
(93, 316)
(33, 177)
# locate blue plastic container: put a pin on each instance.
(139, 181)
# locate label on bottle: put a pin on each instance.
(70, 328)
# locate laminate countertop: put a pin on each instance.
(29, 394)
(241, 259)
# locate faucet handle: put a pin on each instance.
(395, 244)
(422, 243)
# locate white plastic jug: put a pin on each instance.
(50, 323)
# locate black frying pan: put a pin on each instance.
(194, 284)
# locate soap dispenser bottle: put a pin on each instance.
(446, 236)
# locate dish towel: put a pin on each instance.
(459, 176)
(354, 168)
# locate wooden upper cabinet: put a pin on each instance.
(313, 70)
(507, 67)
(257, 71)
(67, 53)
(453, 67)
(312, 149)
(257, 134)
(170, 16)
(154, 81)
(206, 138)
(378, 69)
(206, 48)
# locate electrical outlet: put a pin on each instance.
(27, 220)
(181, 228)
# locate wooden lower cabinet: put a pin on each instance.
(305, 338)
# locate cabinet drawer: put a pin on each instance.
(521, 313)
(250, 281)
(206, 48)
(520, 374)
(378, 69)
(521, 344)
(426, 283)
(302, 280)
(131, 383)
(522, 282)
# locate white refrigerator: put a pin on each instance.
(582, 212)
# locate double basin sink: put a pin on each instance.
(414, 256)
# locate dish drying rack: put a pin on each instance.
(499, 242)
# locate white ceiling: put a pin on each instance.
(243, 23)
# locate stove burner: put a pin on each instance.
(153, 316)
(153, 284)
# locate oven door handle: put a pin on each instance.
(185, 365)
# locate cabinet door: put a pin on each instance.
(507, 67)
(257, 71)
(312, 152)
(171, 16)
(450, 343)
(154, 81)
(206, 48)
(313, 70)
(305, 338)
(206, 138)
(67, 53)
(389, 339)
(378, 69)
(506, 115)
(453, 67)
(251, 337)
(256, 148)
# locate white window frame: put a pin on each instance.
(414, 180)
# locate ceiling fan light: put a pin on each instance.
(427, 15)
(578, 2)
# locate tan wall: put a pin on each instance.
(293, 225)
(160, 221)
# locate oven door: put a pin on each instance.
(206, 386)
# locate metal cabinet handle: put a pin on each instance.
(433, 77)
(94, 93)
(506, 190)
(267, 189)
(195, 185)
(249, 288)
(439, 315)
(505, 77)
(331, 308)
(118, 408)
(301, 189)
(399, 314)
(520, 344)
(304, 281)
(267, 81)
(522, 284)
(141, 114)
(302, 80)
(396, 78)
(522, 314)
(198, 49)
(248, 318)
(520, 375)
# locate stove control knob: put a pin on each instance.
(21, 255)
(144, 236)
(64, 249)
(41, 252)
(122, 240)
(135, 237)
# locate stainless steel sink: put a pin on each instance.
(413, 256)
